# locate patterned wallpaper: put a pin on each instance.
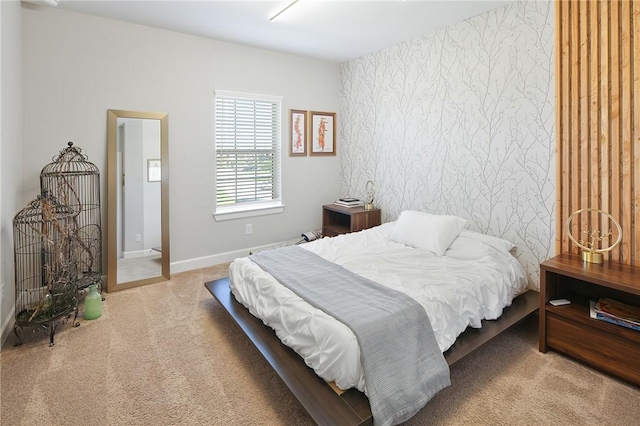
(461, 122)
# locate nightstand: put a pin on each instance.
(570, 330)
(338, 220)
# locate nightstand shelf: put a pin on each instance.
(338, 220)
(570, 330)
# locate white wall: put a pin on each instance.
(461, 121)
(10, 152)
(77, 66)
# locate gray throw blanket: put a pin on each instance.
(402, 363)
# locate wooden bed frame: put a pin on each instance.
(317, 397)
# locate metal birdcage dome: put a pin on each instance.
(75, 181)
(44, 239)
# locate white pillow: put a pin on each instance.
(426, 231)
(495, 242)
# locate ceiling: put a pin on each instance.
(332, 30)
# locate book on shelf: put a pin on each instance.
(615, 312)
(348, 202)
(619, 310)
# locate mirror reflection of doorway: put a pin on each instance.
(139, 231)
(138, 244)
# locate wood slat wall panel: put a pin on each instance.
(614, 19)
(583, 76)
(605, 110)
(625, 179)
(563, 27)
(564, 124)
(635, 236)
(574, 137)
(594, 117)
(598, 114)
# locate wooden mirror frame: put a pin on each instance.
(112, 193)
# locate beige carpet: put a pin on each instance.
(167, 354)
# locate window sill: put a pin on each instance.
(235, 212)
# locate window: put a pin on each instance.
(247, 145)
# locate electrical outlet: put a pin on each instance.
(248, 229)
(138, 238)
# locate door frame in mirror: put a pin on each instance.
(112, 192)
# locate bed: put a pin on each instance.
(464, 279)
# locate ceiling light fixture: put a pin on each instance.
(53, 3)
(282, 11)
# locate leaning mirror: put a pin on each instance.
(138, 198)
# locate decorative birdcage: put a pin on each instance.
(45, 271)
(75, 181)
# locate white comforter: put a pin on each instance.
(471, 282)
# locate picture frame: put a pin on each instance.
(154, 170)
(297, 133)
(322, 139)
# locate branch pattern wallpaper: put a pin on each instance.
(461, 122)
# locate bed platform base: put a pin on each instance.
(317, 398)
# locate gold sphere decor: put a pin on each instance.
(591, 250)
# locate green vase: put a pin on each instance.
(92, 303)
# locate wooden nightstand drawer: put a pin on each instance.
(604, 351)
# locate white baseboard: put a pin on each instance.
(7, 326)
(136, 253)
(216, 259)
(205, 262)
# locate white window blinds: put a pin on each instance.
(247, 141)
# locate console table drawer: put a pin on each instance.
(602, 350)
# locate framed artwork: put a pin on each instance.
(297, 133)
(154, 171)
(323, 133)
